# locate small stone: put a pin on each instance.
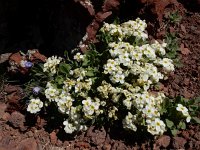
(186, 135)
(197, 32)
(4, 57)
(184, 51)
(163, 141)
(59, 143)
(66, 144)
(10, 88)
(186, 93)
(193, 28)
(186, 81)
(17, 120)
(53, 137)
(171, 30)
(191, 132)
(110, 5)
(27, 144)
(30, 134)
(82, 145)
(6, 116)
(197, 145)
(3, 107)
(179, 142)
(183, 28)
(197, 136)
(107, 147)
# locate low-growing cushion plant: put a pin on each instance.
(111, 84)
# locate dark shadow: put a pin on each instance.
(191, 5)
(51, 26)
(129, 137)
(130, 10)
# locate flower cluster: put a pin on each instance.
(136, 67)
(35, 105)
(122, 89)
(75, 89)
(74, 121)
(90, 107)
(131, 28)
(51, 63)
(140, 61)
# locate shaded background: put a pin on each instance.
(52, 26)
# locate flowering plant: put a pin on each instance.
(110, 85)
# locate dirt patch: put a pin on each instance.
(185, 81)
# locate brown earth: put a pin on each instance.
(19, 131)
(185, 81)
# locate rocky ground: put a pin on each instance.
(19, 131)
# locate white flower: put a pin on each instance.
(148, 111)
(51, 63)
(160, 48)
(127, 103)
(167, 64)
(182, 109)
(51, 93)
(109, 68)
(68, 84)
(78, 87)
(156, 126)
(119, 78)
(124, 59)
(79, 57)
(128, 122)
(34, 105)
(74, 113)
(90, 107)
(87, 102)
(149, 52)
(111, 113)
(69, 127)
(64, 102)
(188, 118)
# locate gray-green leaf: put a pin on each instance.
(197, 120)
(169, 123)
(182, 125)
(174, 132)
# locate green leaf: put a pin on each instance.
(59, 80)
(116, 21)
(163, 110)
(85, 62)
(174, 132)
(194, 107)
(64, 68)
(169, 123)
(89, 73)
(197, 120)
(190, 109)
(65, 53)
(177, 63)
(197, 100)
(171, 55)
(39, 74)
(182, 125)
